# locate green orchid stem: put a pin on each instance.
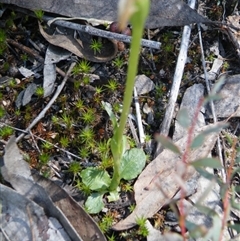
(138, 20)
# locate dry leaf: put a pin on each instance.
(81, 46)
(158, 183)
(22, 219)
(162, 12)
(53, 56)
(55, 201)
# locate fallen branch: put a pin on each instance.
(182, 57)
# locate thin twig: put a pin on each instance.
(91, 30)
(41, 139)
(139, 118)
(134, 133)
(182, 57)
(33, 53)
(43, 112)
(219, 148)
(101, 33)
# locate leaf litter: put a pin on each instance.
(172, 16)
(53, 199)
(157, 184)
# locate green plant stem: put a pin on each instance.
(117, 140)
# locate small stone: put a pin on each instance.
(230, 101)
(25, 72)
(143, 84)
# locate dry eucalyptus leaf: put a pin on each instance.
(54, 200)
(53, 55)
(22, 219)
(80, 46)
(159, 181)
(162, 12)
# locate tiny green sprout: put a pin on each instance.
(168, 48)
(167, 36)
(17, 112)
(118, 62)
(44, 158)
(131, 207)
(76, 85)
(80, 105)
(86, 80)
(83, 152)
(225, 65)
(111, 238)
(88, 116)
(99, 90)
(141, 221)
(6, 65)
(148, 138)
(46, 173)
(83, 188)
(12, 83)
(47, 145)
(96, 46)
(92, 145)
(3, 44)
(3, 36)
(24, 57)
(112, 85)
(106, 222)
(2, 111)
(75, 169)
(117, 107)
(160, 89)
(39, 14)
(211, 57)
(6, 131)
(131, 142)
(13, 14)
(127, 187)
(64, 141)
(82, 67)
(27, 116)
(40, 91)
(86, 135)
(67, 120)
(103, 147)
(55, 120)
(142, 230)
(106, 162)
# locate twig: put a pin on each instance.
(101, 33)
(41, 139)
(32, 53)
(139, 118)
(182, 57)
(43, 112)
(27, 50)
(134, 133)
(91, 30)
(219, 148)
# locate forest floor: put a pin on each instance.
(76, 127)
